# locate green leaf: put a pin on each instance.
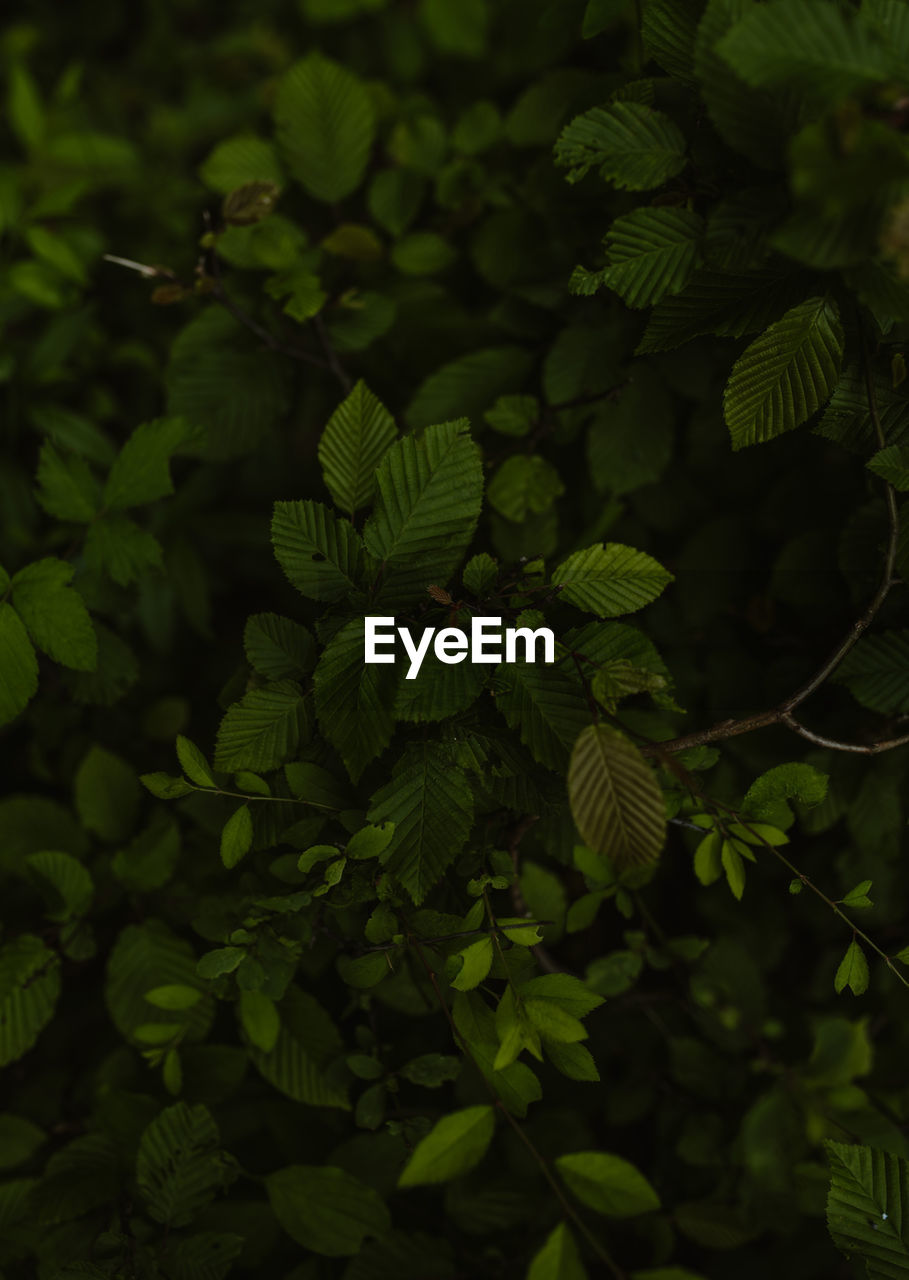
(858, 897)
(277, 647)
(107, 794)
(146, 954)
(524, 485)
(429, 492)
(65, 880)
(173, 995)
(29, 989)
(55, 613)
(607, 1183)
(236, 836)
(573, 1061)
(468, 386)
(179, 1166)
(546, 708)
(141, 471)
(651, 252)
(786, 374)
(67, 486)
(19, 1140)
(728, 304)
(892, 465)
(325, 1209)
(259, 1019)
(18, 665)
(238, 160)
(264, 729)
(876, 672)
(734, 867)
(165, 786)
(563, 989)
(354, 700)
(431, 804)
(355, 439)
(809, 43)
(320, 553)
(868, 1207)
(193, 763)
(325, 124)
(852, 971)
(117, 546)
(431, 1070)
(610, 579)
(476, 963)
(631, 145)
(455, 1145)
(558, 1259)
(307, 1042)
(615, 799)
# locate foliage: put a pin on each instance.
(436, 312)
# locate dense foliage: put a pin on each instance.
(434, 311)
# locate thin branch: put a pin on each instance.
(567, 1207)
(782, 714)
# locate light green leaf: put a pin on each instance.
(615, 799)
(631, 145)
(430, 801)
(238, 160)
(18, 665)
(786, 375)
(325, 124)
(173, 995)
(607, 1183)
(320, 553)
(852, 971)
(236, 836)
(193, 763)
(325, 1209)
(558, 1259)
(868, 1207)
(354, 700)
(734, 867)
(455, 1145)
(55, 613)
(263, 729)
(524, 485)
(477, 961)
(651, 252)
(259, 1019)
(858, 897)
(610, 579)
(355, 439)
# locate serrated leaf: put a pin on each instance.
(353, 699)
(277, 647)
(325, 1209)
(179, 1166)
(455, 1145)
(141, 471)
(431, 804)
(610, 579)
(147, 954)
(651, 252)
(67, 486)
(307, 1042)
(18, 665)
(607, 1184)
(117, 546)
(631, 145)
(66, 881)
(892, 465)
(263, 729)
(809, 43)
(238, 160)
(545, 707)
(429, 492)
(193, 762)
(868, 1207)
(852, 971)
(786, 375)
(720, 302)
(355, 439)
(320, 553)
(29, 989)
(876, 672)
(55, 613)
(615, 799)
(325, 125)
